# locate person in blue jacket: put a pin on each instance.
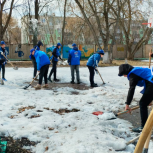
(32, 58)
(74, 62)
(43, 63)
(3, 60)
(92, 64)
(54, 57)
(142, 77)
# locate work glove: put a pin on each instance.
(96, 71)
(2, 53)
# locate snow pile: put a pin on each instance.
(73, 132)
(107, 116)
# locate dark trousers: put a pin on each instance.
(92, 73)
(3, 71)
(43, 74)
(54, 68)
(75, 68)
(145, 101)
(35, 67)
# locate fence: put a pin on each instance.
(86, 50)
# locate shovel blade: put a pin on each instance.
(26, 87)
(15, 68)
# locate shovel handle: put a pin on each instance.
(34, 79)
(100, 75)
(8, 60)
(126, 111)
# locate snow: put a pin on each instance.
(75, 132)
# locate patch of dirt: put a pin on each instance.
(12, 116)
(62, 111)
(53, 86)
(22, 109)
(50, 128)
(15, 146)
(34, 116)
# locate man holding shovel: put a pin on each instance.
(142, 77)
(54, 58)
(43, 63)
(92, 64)
(3, 60)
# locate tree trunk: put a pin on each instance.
(36, 17)
(130, 55)
(106, 58)
(1, 37)
(63, 28)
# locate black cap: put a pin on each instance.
(39, 44)
(124, 69)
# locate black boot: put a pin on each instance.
(72, 82)
(56, 80)
(49, 79)
(79, 82)
(138, 129)
(94, 85)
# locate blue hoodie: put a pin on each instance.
(41, 59)
(144, 73)
(74, 56)
(94, 60)
(1, 56)
(55, 54)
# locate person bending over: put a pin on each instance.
(142, 77)
(43, 63)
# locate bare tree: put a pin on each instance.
(3, 26)
(63, 27)
(129, 14)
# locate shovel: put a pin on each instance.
(14, 67)
(31, 82)
(100, 76)
(118, 114)
(126, 111)
(1, 80)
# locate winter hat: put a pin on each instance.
(58, 44)
(39, 44)
(75, 48)
(2, 43)
(101, 52)
(32, 50)
(74, 45)
(124, 69)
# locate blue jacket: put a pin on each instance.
(74, 56)
(94, 60)
(144, 73)
(2, 57)
(35, 48)
(41, 59)
(55, 54)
